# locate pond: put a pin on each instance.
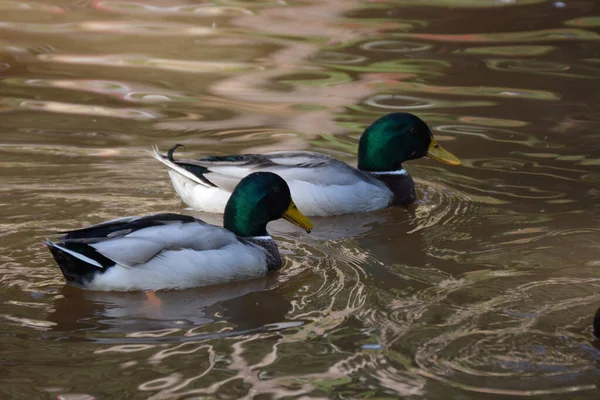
(486, 289)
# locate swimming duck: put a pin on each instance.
(320, 184)
(172, 251)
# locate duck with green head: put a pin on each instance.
(172, 251)
(320, 184)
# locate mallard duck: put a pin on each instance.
(172, 251)
(320, 184)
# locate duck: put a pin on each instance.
(175, 251)
(320, 184)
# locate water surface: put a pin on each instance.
(486, 289)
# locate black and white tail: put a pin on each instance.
(174, 166)
(79, 262)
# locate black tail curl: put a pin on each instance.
(172, 150)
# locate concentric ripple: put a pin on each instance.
(396, 46)
(527, 345)
(484, 289)
(441, 205)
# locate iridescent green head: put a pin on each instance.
(395, 138)
(259, 198)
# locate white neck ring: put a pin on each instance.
(397, 172)
(267, 237)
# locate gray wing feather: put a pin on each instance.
(315, 168)
(143, 245)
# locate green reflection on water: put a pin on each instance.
(543, 35)
(465, 3)
(542, 68)
(422, 67)
(517, 51)
(586, 22)
(477, 91)
(333, 78)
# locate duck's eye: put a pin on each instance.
(277, 190)
(413, 131)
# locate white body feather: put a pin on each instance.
(186, 268)
(175, 255)
(198, 196)
(330, 187)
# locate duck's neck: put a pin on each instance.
(400, 184)
(272, 252)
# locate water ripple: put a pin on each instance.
(396, 46)
(421, 67)
(441, 205)
(533, 36)
(392, 102)
(132, 7)
(469, 3)
(478, 91)
(17, 5)
(514, 51)
(143, 61)
(114, 27)
(486, 286)
(128, 91)
(584, 22)
(544, 68)
(529, 347)
(336, 57)
(493, 134)
(79, 109)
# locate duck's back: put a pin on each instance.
(320, 185)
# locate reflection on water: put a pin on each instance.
(486, 288)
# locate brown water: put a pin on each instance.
(487, 290)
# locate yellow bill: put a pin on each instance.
(294, 215)
(437, 152)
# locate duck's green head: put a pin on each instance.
(259, 198)
(395, 138)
